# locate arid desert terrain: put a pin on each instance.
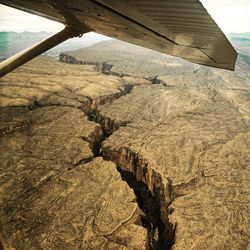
(119, 147)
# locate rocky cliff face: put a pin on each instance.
(97, 161)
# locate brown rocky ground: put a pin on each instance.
(56, 193)
(182, 146)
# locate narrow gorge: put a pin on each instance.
(152, 197)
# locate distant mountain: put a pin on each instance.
(12, 42)
(239, 35)
(241, 41)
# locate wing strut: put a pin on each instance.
(27, 54)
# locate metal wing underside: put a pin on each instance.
(181, 28)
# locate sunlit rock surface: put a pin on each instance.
(114, 157)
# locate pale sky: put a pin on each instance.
(230, 15)
(15, 20)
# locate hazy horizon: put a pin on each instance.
(94, 33)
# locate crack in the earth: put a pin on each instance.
(150, 205)
(152, 198)
(150, 194)
(108, 126)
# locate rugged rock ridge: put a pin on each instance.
(107, 68)
(124, 59)
(100, 67)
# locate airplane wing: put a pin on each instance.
(181, 28)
